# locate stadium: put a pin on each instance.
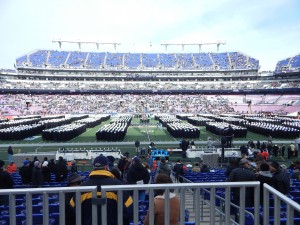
(158, 97)
(149, 112)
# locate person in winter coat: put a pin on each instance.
(61, 170)
(264, 176)
(26, 172)
(159, 204)
(137, 172)
(163, 168)
(37, 176)
(101, 176)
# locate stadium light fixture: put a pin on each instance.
(199, 44)
(80, 42)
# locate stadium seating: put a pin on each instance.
(291, 64)
(101, 60)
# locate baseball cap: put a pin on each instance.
(26, 162)
(100, 161)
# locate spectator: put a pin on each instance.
(101, 176)
(196, 168)
(264, 177)
(72, 181)
(74, 166)
(122, 163)
(205, 168)
(25, 173)
(163, 167)
(265, 154)
(233, 164)
(10, 154)
(116, 172)
(296, 173)
(281, 178)
(46, 172)
(11, 167)
(159, 204)
(37, 176)
(61, 170)
(51, 165)
(179, 171)
(137, 172)
(242, 173)
(6, 183)
(111, 160)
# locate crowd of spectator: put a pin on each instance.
(144, 85)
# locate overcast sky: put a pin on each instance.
(268, 30)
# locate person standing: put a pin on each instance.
(10, 154)
(264, 176)
(137, 172)
(164, 167)
(242, 173)
(159, 204)
(37, 176)
(178, 170)
(61, 170)
(11, 167)
(25, 173)
(137, 146)
(100, 176)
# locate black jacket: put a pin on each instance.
(6, 181)
(99, 178)
(136, 173)
(26, 174)
(242, 174)
(37, 177)
(282, 181)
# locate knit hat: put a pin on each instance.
(74, 178)
(100, 161)
(162, 159)
(36, 163)
(26, 162)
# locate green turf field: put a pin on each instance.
(144, 133)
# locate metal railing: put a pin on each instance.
(61, 191)
(279, 199)
(181, 188)
(195, 189)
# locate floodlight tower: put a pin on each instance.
(79, 42)
(199, 44)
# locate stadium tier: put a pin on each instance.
(291, 64)
(97, 61)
